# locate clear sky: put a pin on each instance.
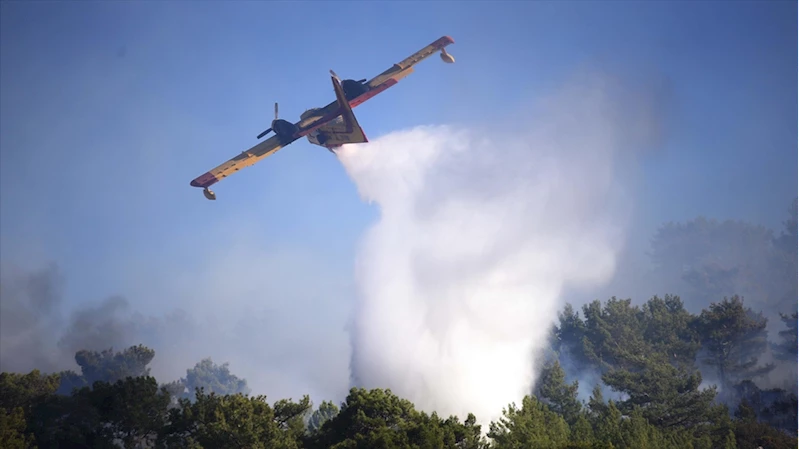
(109, 109)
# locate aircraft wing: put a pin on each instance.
(347, 130)
(400, 70)
(325, 116)
(246, 158)
(376, 85)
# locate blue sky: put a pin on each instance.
(108, 110)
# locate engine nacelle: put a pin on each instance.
(284, 129)
(354, 89)
(209, 193)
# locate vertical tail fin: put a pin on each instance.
(348, 132)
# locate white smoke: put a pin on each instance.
(479, 233)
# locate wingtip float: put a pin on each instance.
(329, 127)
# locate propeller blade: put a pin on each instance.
(275, 110)
(264, 133)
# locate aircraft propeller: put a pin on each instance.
(270, 128)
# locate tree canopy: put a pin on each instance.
(641, 352)
(661, 376)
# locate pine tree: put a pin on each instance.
(557, 394)
(734, 338)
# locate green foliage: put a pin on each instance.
(614, 337)
(20, 394)
(733, 338)
(606, 421)
(234, 420)
(327, 410)
(379, 419)
(555, 392)
(12, 430)
(375, 418)
(664, 409)
(69, 381)
(646, 353)
(667, 329)
(581, 430)
(775, 406)
(107, 366)
(650, 354)
(751, 433)
(666, 395)
(637, 432)
(533, 425)
(568, 338)
(131, 411)
(210, 377)
(25, 390)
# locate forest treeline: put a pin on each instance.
(662, 374)
(647, 356)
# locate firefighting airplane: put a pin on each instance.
(331, 126)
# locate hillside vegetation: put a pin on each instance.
(716, 369)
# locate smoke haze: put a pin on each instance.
(483, 234)
(281, 333)
(28, 311)
(479, 233)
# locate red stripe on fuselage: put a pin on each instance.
(372, 92)
(353, 103)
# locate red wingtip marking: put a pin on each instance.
(443, 42)
(205, 180)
